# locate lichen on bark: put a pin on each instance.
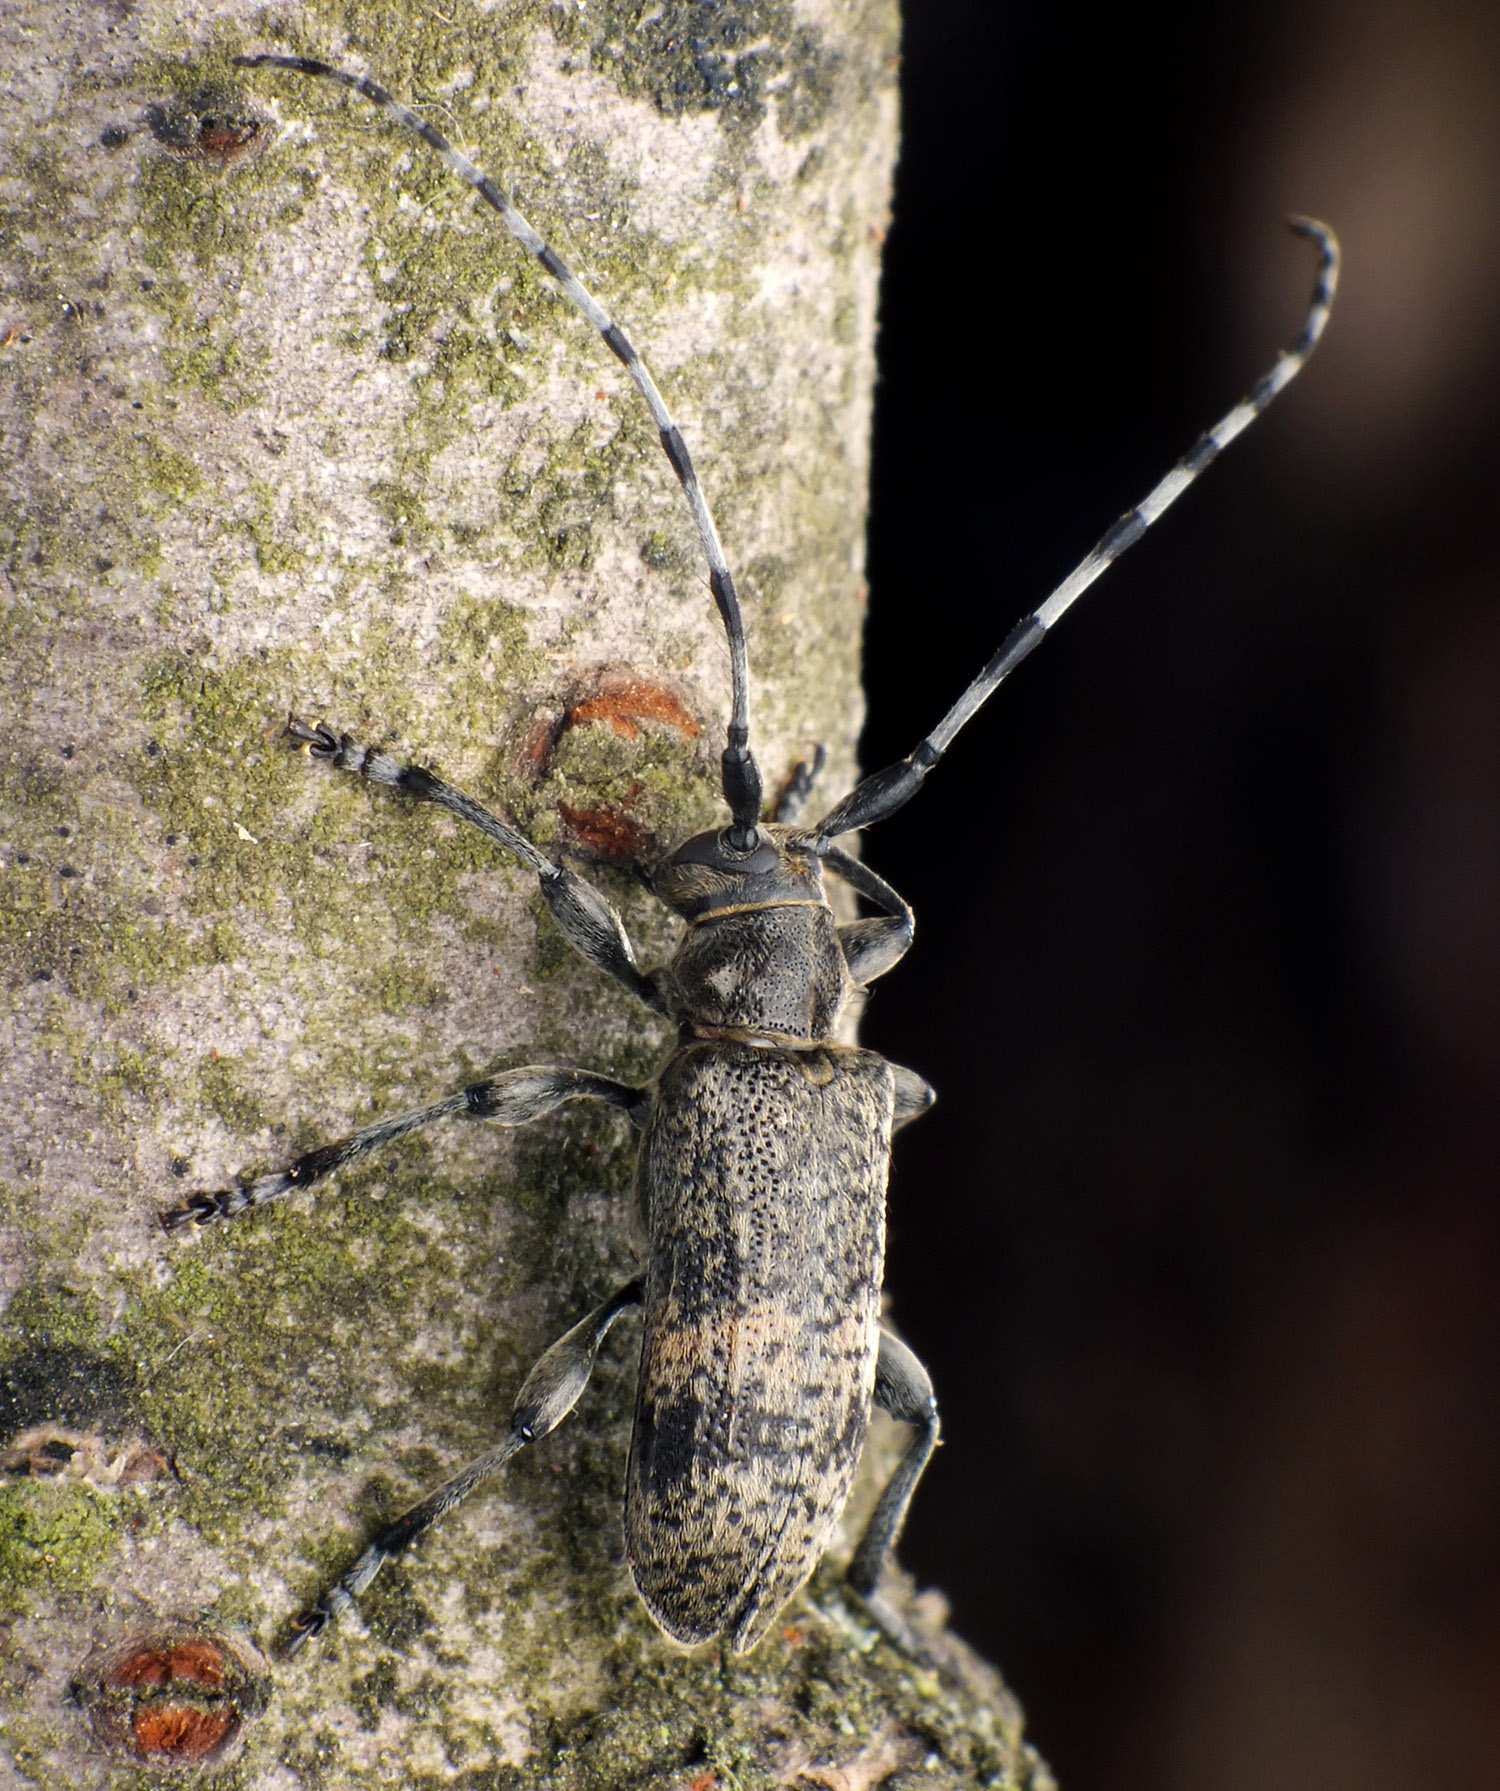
(291, 424)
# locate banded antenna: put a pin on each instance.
(741, 780)
(883, 792)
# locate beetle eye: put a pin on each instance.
(739, 849)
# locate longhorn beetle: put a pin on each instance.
(764, 1144)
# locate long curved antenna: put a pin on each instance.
(740, 774)
(883, 792)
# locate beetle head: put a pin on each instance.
(709, 875)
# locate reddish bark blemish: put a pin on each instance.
(626, 702)
(180, 1695)
(608, 832)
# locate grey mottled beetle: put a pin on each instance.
(763, 1161)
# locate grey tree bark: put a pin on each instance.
(290, 423)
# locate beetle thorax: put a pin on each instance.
(761, 957)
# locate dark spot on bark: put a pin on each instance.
(63, 1383)
(736, 58)
(215, 125)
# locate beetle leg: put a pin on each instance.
(514, 1098)
(799, 787)
(590, 924)
(871, 947)
(903, 1389)
(914, 1095)
(548, 1394)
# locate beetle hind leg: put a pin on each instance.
(904, 1389)
(549, 1393)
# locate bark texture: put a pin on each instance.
(288, 422)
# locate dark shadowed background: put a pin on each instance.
(1202, 1241)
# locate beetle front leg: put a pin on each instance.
(590, 924)
(549, 1393)
(902, 1388)
(514, 1098)
(871, 947)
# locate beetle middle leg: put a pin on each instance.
(914, 1095)
(548, 1394)
(513, 1098)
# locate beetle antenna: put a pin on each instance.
(740, 775)
(883, 792)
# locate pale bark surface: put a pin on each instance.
(289, 423)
